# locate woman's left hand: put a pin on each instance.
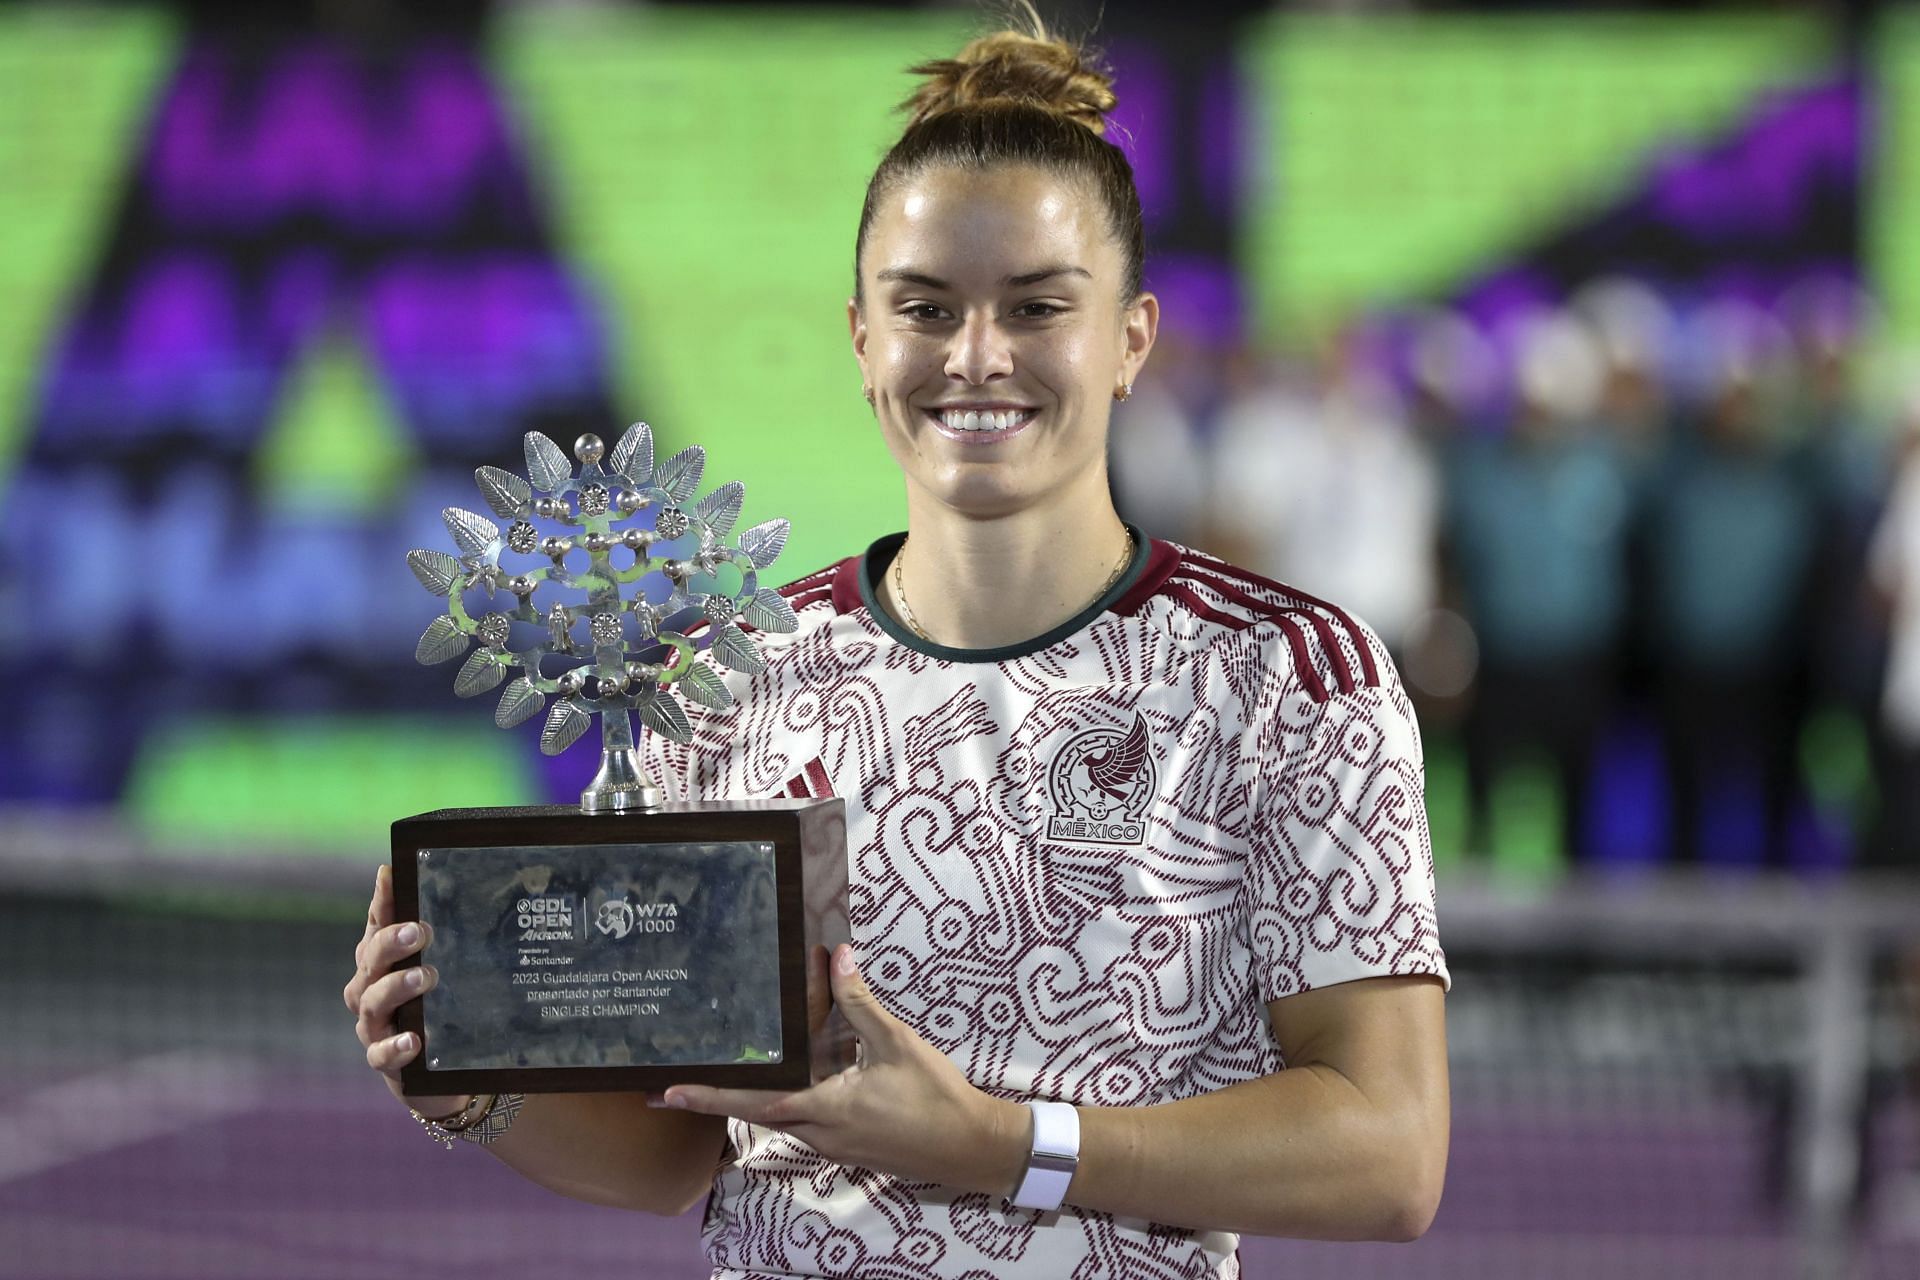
(905, 1109)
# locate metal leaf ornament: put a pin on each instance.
(662, 714)
(436, 570)
(554, 588)
(769, 611)
(547, 466)
(565, 723)
(479, 673)
(680, 474)
(764, 542)
(731, 646)
(704, 686)
(443, 641)
(519, 701)
(719, 509)
(471, 533)
(633, 456)
(507, 494)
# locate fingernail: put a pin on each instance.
(416, 978)
(843, 960)
(675, 1100)
(409, 934)
(403, 1043)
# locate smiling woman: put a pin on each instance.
(997, 312)
(1141, 890)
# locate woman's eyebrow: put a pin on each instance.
(909, 276)
(1045, 273)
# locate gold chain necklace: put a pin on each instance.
(913, 624)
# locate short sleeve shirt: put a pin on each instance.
(1080, 868)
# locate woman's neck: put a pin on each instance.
(985, 583)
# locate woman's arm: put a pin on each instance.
(1348, 1143)
(607, 1148)
(614, 1149)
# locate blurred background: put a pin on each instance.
(1575, 349)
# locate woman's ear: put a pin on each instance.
(1142, 326)
(857, 330)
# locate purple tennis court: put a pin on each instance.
(185, 1101)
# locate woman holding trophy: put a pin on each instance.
(1144, 945)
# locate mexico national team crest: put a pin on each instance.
(1100, 783)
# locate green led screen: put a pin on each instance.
(709, 185)
(1395, 154)
(1894, 211)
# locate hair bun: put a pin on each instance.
(1037, 69)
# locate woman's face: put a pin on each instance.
(994, 337)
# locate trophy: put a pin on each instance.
(627, 943)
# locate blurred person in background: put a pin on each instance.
(1537, 528)
(1328, 489)
(1158, 456)
(1731, 530)
(1635, 329)
(1894, 580)
(1839, 455)
(1451, 373)
(1893, 841)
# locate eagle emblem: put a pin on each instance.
(1101, 783)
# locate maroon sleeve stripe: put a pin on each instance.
(1342, 672)
(1353, 629)
(1303, 661)
(1345, 619)
(1296, 638)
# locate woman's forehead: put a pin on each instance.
(990, 227)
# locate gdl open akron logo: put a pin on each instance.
(549, 918)
(1100, 783)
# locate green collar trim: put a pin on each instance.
(880, 556)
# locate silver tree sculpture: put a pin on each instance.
(592, 648)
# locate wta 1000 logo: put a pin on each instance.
(619, 917)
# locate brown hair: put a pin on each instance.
(1016, 97)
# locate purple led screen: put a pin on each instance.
(284, 195)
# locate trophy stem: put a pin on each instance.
(621, 786)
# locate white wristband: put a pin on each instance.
(1056, 1153)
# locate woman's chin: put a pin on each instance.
(984, 497)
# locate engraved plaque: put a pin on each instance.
(586, 952)
(602, 955)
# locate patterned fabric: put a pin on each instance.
(1080, 871)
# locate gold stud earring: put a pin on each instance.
(868, 393)
(1126, 390)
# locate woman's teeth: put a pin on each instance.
(972, 420)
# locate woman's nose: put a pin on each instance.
(980, 351)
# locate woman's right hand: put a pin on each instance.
(377, 989)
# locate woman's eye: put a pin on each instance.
(1039, 310)
(923, 311)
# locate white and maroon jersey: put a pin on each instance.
(1080, 867)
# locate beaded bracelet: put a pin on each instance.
(483, 1120)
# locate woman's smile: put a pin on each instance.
(981, 424)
